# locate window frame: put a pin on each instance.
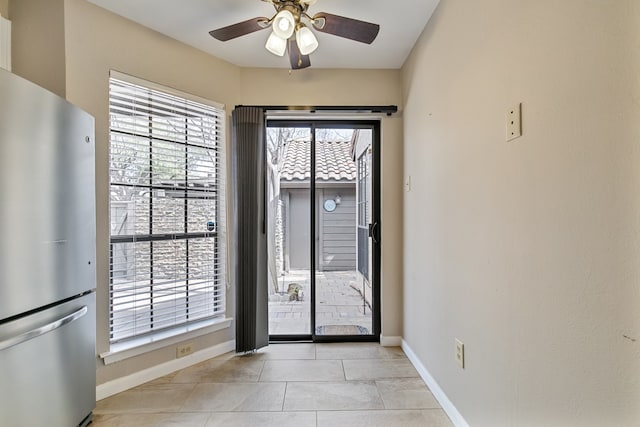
(217, 234)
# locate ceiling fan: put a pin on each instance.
(291, 30)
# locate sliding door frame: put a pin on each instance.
(313, 125)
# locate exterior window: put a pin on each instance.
(167, 246)
(364, 212)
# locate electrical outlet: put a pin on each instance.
(184, 350)
(460, 353)
(514, 122)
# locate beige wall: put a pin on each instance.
(37, 42)
(527, 250)
(4, 8)
(98, 41)
(95, 41)
(352, 87)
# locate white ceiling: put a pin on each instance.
(189, 21)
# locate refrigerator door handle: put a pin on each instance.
(18, 339)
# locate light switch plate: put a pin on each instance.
(514, 122)
(407, 183)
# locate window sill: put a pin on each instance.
(142, 345)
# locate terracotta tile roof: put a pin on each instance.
(333, 161)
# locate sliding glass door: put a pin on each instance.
(322, 197)
(289, 230)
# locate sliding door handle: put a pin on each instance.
(374, 232)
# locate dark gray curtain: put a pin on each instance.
(248, 216)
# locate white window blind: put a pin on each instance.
(167, 247)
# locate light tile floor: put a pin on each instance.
(284, 385)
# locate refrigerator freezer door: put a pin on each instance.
(47, 198)
(48, 366)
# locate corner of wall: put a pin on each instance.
(447, 405)
(4, 8)
(38, 43)
(5, 43)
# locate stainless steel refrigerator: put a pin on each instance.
(47, 258)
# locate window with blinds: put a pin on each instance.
(167, 246)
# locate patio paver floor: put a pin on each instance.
(338, 305)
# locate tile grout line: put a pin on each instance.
(208, 419)
(384, 405)
(261, 370)
(284, 396)
(193, 390)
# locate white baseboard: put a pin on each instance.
(125, 383)
(433, 385)
(390, 341)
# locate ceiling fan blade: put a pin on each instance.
(240, 29)
(298, 60)
(364, 32)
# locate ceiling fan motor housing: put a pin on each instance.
(296, 8)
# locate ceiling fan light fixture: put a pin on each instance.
(284, 24)
(307, 41)
(291, 17)
(276, 45)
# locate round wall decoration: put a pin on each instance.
(329, 205)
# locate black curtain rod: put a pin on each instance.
(386, 109)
